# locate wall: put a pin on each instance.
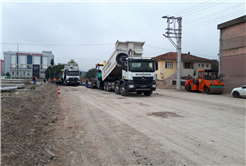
(167, 72)
(233, 55)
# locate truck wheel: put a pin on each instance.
(148, 93)
(139, 93)
(105, 86)
(206, 89)
(109, 90)
(117, 88)
(123, 90)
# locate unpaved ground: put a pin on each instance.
(168, 128)
(27, 119)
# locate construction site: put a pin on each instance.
(75, 125)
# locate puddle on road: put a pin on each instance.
(164, 114)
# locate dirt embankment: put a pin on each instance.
(28, 117)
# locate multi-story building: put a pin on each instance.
(2, 67)
(27, 64)
(233, 52)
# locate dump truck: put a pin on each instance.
(205, 82)
(126, 71)
(71, 74)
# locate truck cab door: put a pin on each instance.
(201, 81)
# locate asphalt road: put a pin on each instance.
(168, 128)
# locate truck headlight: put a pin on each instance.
(67, 81)
(131, 86)
(154, 86)
(78, 80)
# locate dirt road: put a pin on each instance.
(168, 128)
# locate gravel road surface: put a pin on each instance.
(168, 128)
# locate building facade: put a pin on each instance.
(2, 67)
(27, 64)
(233, 52)
(190, 64)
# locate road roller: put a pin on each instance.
(205, 82)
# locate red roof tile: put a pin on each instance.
(173, 56)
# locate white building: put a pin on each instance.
(27, 64)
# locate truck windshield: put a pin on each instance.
(72, 73)
(209, 75)
(141, 67)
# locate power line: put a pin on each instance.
(203, 9)
(190, 8)
(213, 14)
(211, 21)
(58, 44)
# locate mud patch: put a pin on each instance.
(143, 104)
(120, 98)
(164, 114)
(127, 102)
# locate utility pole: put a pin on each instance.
(175, 32)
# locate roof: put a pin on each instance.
(184, 57)
(232, 22)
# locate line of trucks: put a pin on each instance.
(127, 71)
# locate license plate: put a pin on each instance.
(143, 86)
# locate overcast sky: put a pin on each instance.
(66, 27)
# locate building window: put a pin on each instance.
(199, 65)
(17, 73)
(169, 65)
(206, 65)
(24, 73)
(188, 66)
(202, 65)
(13, 73)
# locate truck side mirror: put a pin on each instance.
(124, 66)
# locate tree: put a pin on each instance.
(7, 74)
(91, 73)
(50, 71)
(52, 62)
(215, 66)
(71, 61)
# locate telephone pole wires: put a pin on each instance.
(174, 30)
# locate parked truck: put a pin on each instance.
(126, 70)
(71, 74)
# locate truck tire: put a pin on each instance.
(123, 90)
(148, 93)
(109, 90)
(117, 88)
(120, 58)
(105, 86)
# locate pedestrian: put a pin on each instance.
(44, 80)
(36, 80)
(81, 80)
(55, 80)
(86, 82)
(49, 80)
(33, 79)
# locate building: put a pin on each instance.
(233, 52)
(2, 67)
(27, 64)
(190, 64)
